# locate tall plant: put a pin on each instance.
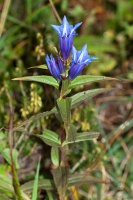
(65, 69)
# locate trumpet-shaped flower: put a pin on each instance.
(66, 33)
(55, 66)
(79, 60)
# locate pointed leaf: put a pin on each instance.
(50, 138)
(64, 106)
(48, 185)
(44, 184)
(6, 154)
(82, 137)
(78, 98)
(55, 156)
(72, 133)
(35, 117)
(85, 79)
(60, 176)
(84, 178)
(39, 66)
(41, 79)
(35, 187)
(7, 185)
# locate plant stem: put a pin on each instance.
(16, 184)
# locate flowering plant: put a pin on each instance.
(65, 69)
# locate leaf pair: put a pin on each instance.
(78, 81)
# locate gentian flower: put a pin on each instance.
(79, 60)
(55, 66)
(66, 33)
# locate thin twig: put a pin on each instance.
(55, 11)
(4, 15)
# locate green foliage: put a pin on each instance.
(64, 106)
(42, 79)
(35, 187)
(60, 175)
(107, 29)
(50, 138)
(55, 156)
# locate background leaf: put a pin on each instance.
(35, 187)
(6, 154)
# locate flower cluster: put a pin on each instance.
(57, 66)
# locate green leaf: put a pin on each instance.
(84, 178)
(60, 176)
(6, 185)
(48, 185)
(42, 79)
(64, 88)
(82, 137)
(84, 79)
(35, 187)
(39, 66)
(64, 106)
(44, 184)
(6, 154)
(55, 156)
(72, 133)
(51, 195)
(78, 98)
(50, 138)
(35, 117)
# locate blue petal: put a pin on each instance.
(53, 67)
(75, 27)
(56, 28)
(83, 53)
(74, 53)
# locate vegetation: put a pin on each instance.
(100, 169)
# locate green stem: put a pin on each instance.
(16, 184)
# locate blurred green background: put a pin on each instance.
(26, 36)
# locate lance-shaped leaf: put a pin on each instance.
(73, 179)
(84, 178)
(78, 98)
(55, 156)
(35, 187)
(39, 67)
(50, 138)
(64, 107)
(6, 154)
(41, 79)
(72, 134)
(64, 88)
(45, 184)
(35, 117)
(60, 176)
(82, 137)
(85, 79)
(6, 184)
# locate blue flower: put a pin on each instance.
(55, 66)
(66, 33)
(79, 60)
